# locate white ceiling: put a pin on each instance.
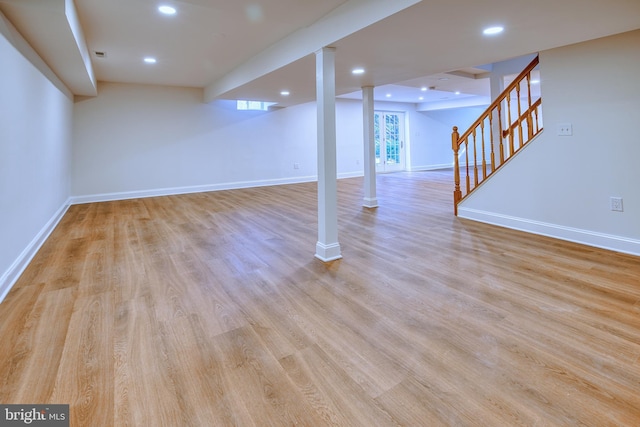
(253, 49)
(469, 86)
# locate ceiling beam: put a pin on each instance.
(53, 30)
(13, 36)
(346, 19)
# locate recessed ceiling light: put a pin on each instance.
(285, 93)
(443, 79)
(424, 88)
(492, 30)
(167, 10)
(150, 60)
(254, 12)
(388, 95)
(357, 71)
(420, 98)
(457, 92)
(535, 82)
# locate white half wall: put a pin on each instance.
(561, 185)
(35, 142)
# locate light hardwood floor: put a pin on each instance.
(210, 310)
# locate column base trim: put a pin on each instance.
(327, 253)
(370, 203)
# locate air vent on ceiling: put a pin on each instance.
(100, 54)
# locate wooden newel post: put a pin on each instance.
(457, 194)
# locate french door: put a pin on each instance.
(389, 140)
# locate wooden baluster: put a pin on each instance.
(493, 155)
(466, 154)
(529, 115)
(484, 161)
(457, 194)
(501, 136)
(475, 159)
(511, 146)
(520, 135)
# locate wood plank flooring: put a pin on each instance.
(210, 310)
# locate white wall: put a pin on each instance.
(431, 146)
(142, 140)
(504, 68)
(136, 140)
(35, 140)
(561, 185)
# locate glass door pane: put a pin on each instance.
(392, 138)
(389, 145)
(376, 135)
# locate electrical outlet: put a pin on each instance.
(565, 129)
(616, 204)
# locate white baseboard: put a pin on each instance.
(585, 237)
(430, 167)
(355, 174)
(11, 276)
(125, 195)
(107, 197)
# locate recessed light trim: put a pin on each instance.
(285, 93)
(150, 60)
(167, 10)
(492, 31)
(357, 71)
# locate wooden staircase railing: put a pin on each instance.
(496, 130)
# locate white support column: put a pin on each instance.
(370, 199)
(327, 248)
